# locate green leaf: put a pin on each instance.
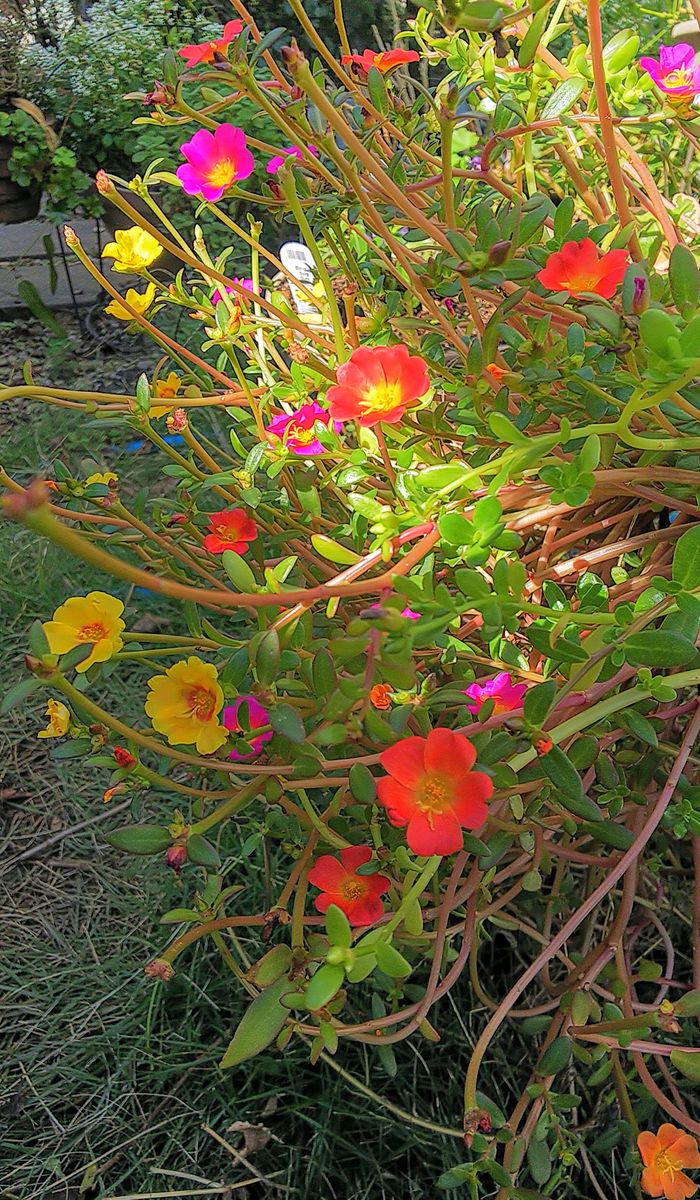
(538, 702)
(684, 278)
(260, 1024)
(323, 674)
(658, 648)
(377, 90)
(201, 852)
(563, 98)
(609, 833)
(539, 1160)
(456, 529)
(267, 658)
(338, 927)
(686, 559)
(332, 550)
(286, 721)
(688, 1005)
(391, 962)
(561, 771)
(238, 571)
(688, 1063)
(444, 476)
(323, 985)
(38, 642)
(655, 329)
(639, 726)
(529, 44)
(272, 965)
(140, 839)
(362, 783)
(555, 1057)
(175, 916)
(18, 694)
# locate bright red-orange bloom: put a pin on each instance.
(380, 695)
(383, 60)
(377, 383)
(230, 529)
(357, 895)
(205, 52)
(580, 267)
(664, 1155)
(432, 790)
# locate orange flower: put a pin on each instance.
(496, 372)
(579, 267)
(664, 1155)
(432, 790)
(377, 383)
(230, 529)
(380, 695)
(383, 60)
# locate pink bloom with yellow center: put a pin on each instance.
(677, 70)
(506, 695)
(216, 296)
(297, 430)
(215, 161)
(258, 716)
(291, 152)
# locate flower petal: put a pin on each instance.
(405, 760)
(440, 836)
(448, 753)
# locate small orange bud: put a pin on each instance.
(543, 745)
(70, 236)
(159, 968)
(380, 695)
(103, 183)
(496, 372)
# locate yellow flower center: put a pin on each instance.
(585, 283)
(435, 795)
(678, 78)
(221, 174)
(201, 703)
(352, 889)
(91, 633)
(382, 397)
(301, 435)
(664, 1165)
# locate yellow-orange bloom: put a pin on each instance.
(665, 1154)
(184, 703)
(139, 301)
(59, 720)
(95, 619)
(105, 477)
(132, 250)
(165, 389)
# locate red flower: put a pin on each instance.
(205, 52)
(579, 267)
(230, 529)
(432, 790)
(377, 384)
(383, 60)
(122, 757)
(357, 895)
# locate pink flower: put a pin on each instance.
(677, 71)
(296, 430)
(215, 161)
(410, 614)
(206, 52)
(244, 283)
(257, 717)
(295, 151)
(506, 694)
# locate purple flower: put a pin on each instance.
(244, 283)
(297, 430)
(279, 160)
(506, 694)
(257, 717)
(677, 71)
(410, 614)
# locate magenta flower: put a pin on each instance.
(244, 283)
(215, 161)
(296, 430)
(677, 72)
(257, 717)
(279, 160)
(506, 694)
(410, 614)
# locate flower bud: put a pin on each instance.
(293, 58)
(122, 757)
(498, 253)
(159, 968)
(176, 856)
(640, 295)
(176, 420)
(70, 236)
(103, 184)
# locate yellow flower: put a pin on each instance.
(105, 477)
(59, 720)
(87, 619)
(183, 705)
(132, 250)
(140, 301)
(165, 389)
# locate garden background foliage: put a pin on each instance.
(420, 734)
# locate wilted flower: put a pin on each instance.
(244, 283)
(291, 151)
(258, 717)
(59, 720)
(380, 695)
